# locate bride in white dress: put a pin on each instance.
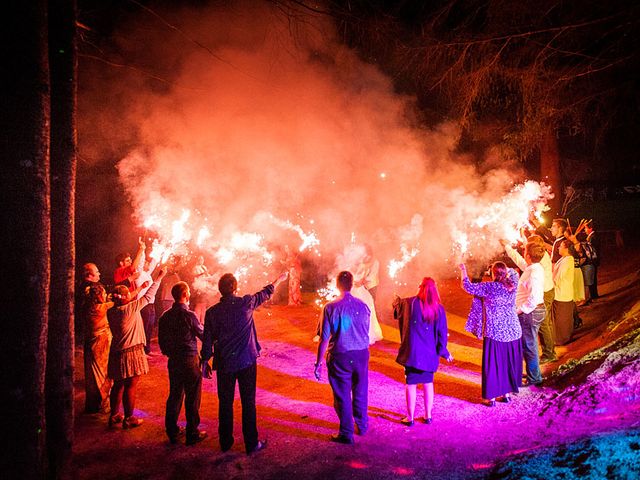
(375, 332)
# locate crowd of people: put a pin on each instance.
(513, 312)
(510, 312)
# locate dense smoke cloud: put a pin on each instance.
(273, 120)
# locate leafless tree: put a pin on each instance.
(511, 73)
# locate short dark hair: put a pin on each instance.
(344, 281)
(567, 243)
(178, 290)
(121, 257)
(227, 284)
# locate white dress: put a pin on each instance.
(375, 332)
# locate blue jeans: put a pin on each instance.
(530, 323)
(349, 379)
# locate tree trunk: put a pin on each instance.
(60, 346)
(25, 243)
(550, 170)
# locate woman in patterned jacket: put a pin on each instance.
(493, 318)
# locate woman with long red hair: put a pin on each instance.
(423, 340)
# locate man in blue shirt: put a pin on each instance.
(345, 333)
(230, 338)
(178, 328)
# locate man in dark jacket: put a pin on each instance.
(594, 241)
(230, 338)
(178, 328)
(344, 330)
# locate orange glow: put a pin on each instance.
(358, 465)
(402, 471)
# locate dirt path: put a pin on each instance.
(295, 413)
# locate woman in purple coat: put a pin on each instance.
(423, 339)
(493, 317)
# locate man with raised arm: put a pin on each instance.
(230, 338)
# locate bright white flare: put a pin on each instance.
(480, 224)
(396, 265)
(309, 240)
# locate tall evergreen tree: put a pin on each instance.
(60, 346)
(24, 244)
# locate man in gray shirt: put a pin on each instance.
(345, 332)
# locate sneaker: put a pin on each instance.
(197, 438)
(174, 438)
(545, 360)
(262, 444)
(131, 422)
(226, 447)
(337, 438)
(115, 419)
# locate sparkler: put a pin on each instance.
(240, 252)
(309, 240)
(203, 234)
(501, 220)
(583, 223)
(396, 265)
(410, 234)
(327, 294)
(349, 260)
(243, 245)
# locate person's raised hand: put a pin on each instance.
(161, 272)
(533, 220)
(396, 300)
(283, 276)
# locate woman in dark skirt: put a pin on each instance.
(493, 317)
(423, 339)
(127, 360)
